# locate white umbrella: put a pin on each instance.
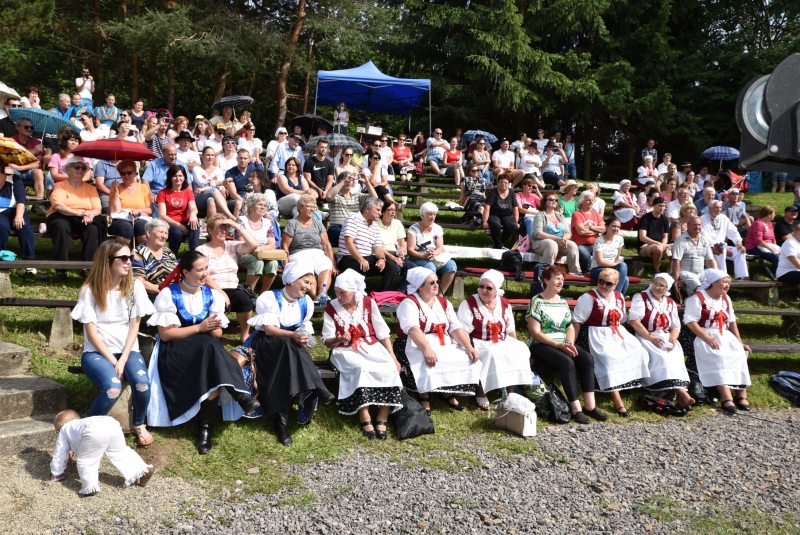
(6, 92)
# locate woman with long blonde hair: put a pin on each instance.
(110, 306)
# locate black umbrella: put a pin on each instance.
(310, 122)
(234, 101)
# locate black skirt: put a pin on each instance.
(193, 366)
(283, 369)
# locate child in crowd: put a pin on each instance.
(90, 438)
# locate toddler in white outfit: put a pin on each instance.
(90, 438)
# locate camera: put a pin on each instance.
(768, 116)
(249, 188)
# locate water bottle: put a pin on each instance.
(323, 297)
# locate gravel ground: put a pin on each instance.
(584, 479)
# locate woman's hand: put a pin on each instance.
(119, 367)
(747, 348)
(18, 222)
(568, 348)
(711, 341)
(183, 228)
(397, 364)
(430, 357)
(674, 343)
(485, 225)
(301, 339)
(88, 216)
(344, 339)
(209, 324)
(656, 341)
(193, 222)
(473, 354)
(562, 243)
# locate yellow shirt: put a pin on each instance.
(83, 198)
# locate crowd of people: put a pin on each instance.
(216, 178)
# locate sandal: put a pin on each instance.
(483, 402)
(369, 434)
(622, 411)
(455, 406)
(741, 406)
(427, 400)
(381, 435)
(143, 436)
(728, 406)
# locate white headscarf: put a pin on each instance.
(416, 277)
(351, 281)
(712, 276)
(295, 270)
(667, 279)
(496, 278)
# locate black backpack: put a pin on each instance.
(787, 384)
(536, 285)
(512, 261)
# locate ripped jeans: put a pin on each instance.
(101, 372)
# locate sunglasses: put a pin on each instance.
(230, 143)
(473, 170)
(80, 168)
(607, 284)
(127, 173)
(438, 133)
(551, 199)
(484, 287)
(376, 157)
(434, 283)
(348, 154)
(481, 143)
(26, 127)
(125, 258)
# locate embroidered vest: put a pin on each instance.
(494, 331)
(654, 320)
(603, 317)
(186, 318)
(357, 332)
(426, 326)
(303, 309)
(708, 317)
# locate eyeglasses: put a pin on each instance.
(127, 173)
(124, 115)
(434, 283)
(13, 105)
(125, 258)
(384, 141)
(473, 170)
(484, 287)
(26, 126)
(376, 157)
(607, 284)
(80, 168)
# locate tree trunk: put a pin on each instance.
(97, 42)
(222, 81)
(252, 87)
(587, 153)
(151, 81)
(135, 68)
(287, 63)
(171, 83)
(630, 160)
(308, 72)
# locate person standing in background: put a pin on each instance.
(85, 87)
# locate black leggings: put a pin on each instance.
(567, 366)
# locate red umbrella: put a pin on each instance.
(114, 149)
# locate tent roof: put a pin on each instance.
(366, 88)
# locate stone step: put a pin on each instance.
(19, 435)
(24, 396)
(14, 359)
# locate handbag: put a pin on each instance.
(412, 420)
(551, 404)
(515, 413)
(243, 286)
(419, 168)
(441, 259)
(523, 244)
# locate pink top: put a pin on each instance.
(531, 199)
(757, 233)
(224, 270)
(57, 161)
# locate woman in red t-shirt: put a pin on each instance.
(176, 206)
(452, 159)
(401, 154)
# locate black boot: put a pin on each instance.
(280, 426)
(205, 429)
(324, 395)
(248, 403)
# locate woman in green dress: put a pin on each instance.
(552, 343)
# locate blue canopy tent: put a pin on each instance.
(368, 89)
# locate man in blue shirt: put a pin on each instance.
(240, 175)
(290, 149)
(156, 172)
(650, 150)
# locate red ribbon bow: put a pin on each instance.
(439, 329)
(662, 322)
(613, 320)
(719, 317)
(355, 336)
(494, 329)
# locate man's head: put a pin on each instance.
(708, 195)
(170, 153)
(651, 143)
(298, 129)
(672, 169)
(437, 134)
(219, 133)
(322, 148)
(371, 209)
(557, 135)
(694, 226)
(63, 101)
(85, 72)
(684, 194)
(504, 145)
(24, 129)
(540, 133)
(735, 195)
(715, 208)
(322, 130)
(659, 204)
(11, 102)
(243, 159)
(294, 140)
(790, 214)
(184, 140)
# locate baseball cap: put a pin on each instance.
(792, 208)
(295, 136)
(198, 117)
(220, 128)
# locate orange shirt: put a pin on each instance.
(83, 198)
(141, 198)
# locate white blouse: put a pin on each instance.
(408, 315)
(269, 314)
(466, 317)
(585, 305)
(379, 325)
(167, 313)
(637, 310)
(693, 308)
(112, 323)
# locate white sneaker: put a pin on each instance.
(442, 172)
(32, 271)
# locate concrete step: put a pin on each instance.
(21, 434)
(24, 396)
(14, 359)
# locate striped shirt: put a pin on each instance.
(343, 207)
(365, 236)
(150, 268)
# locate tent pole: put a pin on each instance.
(316, 94)
(430, 119)
(409, 124)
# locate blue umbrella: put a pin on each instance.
(43, 121)
(720, 154)
(469, 136)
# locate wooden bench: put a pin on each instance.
(5, 278)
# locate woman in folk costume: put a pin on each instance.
(369, 373)
(189, 364)
(720, 355)
(654, 317)
(620, 361)
(435, 352)
(625, 207)
(488, 318)
(284, 332)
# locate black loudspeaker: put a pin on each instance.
(768, 115)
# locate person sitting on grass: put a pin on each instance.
(91, 438)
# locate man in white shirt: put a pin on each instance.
(541, 141)
(436, 147)
(85, 87)
(717, 228)
(503, 162)
(663, 167)
(683, 196)
(185, 152)
(530, 164)
(691, 255)
(291, 149)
